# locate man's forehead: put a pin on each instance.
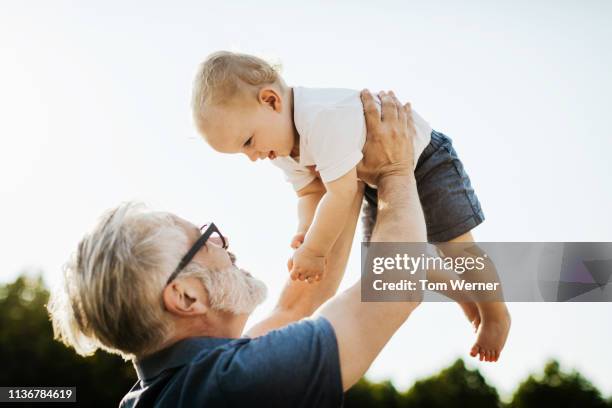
(195, 230)
(188, 226)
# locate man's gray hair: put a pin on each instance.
(111, 296)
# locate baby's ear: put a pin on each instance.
(270, 97)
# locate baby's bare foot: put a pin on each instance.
(472, 313)
(492, 332)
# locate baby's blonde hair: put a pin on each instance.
(226, 76)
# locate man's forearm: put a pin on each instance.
(400, 216)
(362, 329)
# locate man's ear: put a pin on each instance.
(270, 97)
(186, 297)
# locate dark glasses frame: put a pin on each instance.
(208, 230)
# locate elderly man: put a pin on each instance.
(156, 289)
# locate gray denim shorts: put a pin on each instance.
(449, 202)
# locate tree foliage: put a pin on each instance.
(366, 394)
(31, 357)
(558, 389)
(453, 386)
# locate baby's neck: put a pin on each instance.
(295, 152)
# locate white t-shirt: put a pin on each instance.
(331, 125)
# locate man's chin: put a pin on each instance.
(258, 289)
(235, 290)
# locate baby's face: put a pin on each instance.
(259, 130)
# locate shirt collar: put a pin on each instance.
(176, 355)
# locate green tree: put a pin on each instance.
(455, 386)
(31, 357)
(366, 394)
(557, 389)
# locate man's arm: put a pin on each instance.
(300, 299)
(362, 329)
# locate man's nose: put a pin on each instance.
(218, 241)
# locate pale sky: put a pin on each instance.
(95, 111)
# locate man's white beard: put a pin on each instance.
(233, 290)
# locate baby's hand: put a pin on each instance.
(298, 240)
(306, 265)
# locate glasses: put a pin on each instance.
(207, 231)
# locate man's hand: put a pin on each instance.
(389, 146)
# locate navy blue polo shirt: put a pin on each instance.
(296, 366)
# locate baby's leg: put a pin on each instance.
(452, 210)
(301, 299)
(488, 314)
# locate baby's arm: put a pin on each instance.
(309, 259)
(298, 299)
(308, 200)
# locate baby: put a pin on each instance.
(316, 136)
